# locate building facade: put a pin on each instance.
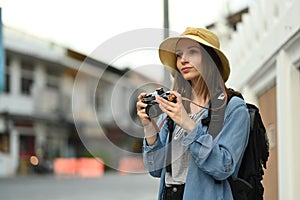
(264, 52)
(51, 106)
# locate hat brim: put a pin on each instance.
(168, 57)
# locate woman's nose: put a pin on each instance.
(184, 58)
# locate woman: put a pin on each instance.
(193, 159)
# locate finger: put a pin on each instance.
(178, 96)
(166, 108)
(162, 100)
(143, 115)
(141, 111)
(140, 105)
(163, 108)
(140, 97)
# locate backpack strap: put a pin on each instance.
(217, 116)
(218, 123)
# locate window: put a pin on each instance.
(26, 85)
(100, 96)
(4, 143)
(7, 83)
(52, 82)
(53, 78)
(7, 60)
(26, 78)
(7, 75)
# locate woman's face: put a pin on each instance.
(189, 58)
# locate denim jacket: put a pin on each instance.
(211, 159)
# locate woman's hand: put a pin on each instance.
(176, 112)
(141, 110)
(150, 128)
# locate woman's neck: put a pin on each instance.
(199, 99)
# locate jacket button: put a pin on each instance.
(174, 189)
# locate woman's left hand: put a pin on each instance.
(176, 112)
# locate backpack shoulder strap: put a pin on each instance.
(217, 116)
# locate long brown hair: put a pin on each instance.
(209, 81)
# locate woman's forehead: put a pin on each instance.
(186, 42)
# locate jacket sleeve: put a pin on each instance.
(219, 157)
(154, 155)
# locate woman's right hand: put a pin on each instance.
(150, 128)
(141, 110)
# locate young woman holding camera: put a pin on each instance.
(192, 159)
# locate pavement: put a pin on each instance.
(111, 186)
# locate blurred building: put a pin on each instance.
(263, 46)
(40, 101)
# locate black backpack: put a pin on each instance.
(248, 186)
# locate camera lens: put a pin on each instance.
(153, 110)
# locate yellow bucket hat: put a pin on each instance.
(201, 35)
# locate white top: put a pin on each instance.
(180, 155)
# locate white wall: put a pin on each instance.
(265, 51)
(265, 29)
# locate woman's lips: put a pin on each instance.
(186, 69)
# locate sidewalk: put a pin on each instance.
(112, 186)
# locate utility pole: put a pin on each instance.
(166, 81)
(166, 18)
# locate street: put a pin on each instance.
(111, 186)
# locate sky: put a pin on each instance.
(83, 26)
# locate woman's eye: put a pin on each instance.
(193, 51)
(178, 55)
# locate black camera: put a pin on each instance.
(152, 108)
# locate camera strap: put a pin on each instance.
(170, 124)
(157, 128)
